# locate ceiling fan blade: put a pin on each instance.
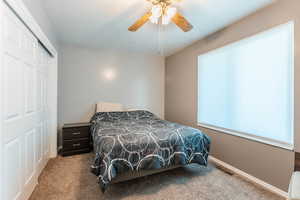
(140, 22)
(181, 22)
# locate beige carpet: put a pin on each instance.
(68, 178)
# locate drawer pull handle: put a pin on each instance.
(78, 133)
(76, 145)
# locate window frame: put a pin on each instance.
(249, 136)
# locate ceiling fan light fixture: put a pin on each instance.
(154, 20)
(171, 11)
(168, 15)
(162, 13)
(156, 11)
(165, 20)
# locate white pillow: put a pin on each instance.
(132, 109)
(109, 107)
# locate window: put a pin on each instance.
(246, 88)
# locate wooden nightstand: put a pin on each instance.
(76, 139)
(297, 161)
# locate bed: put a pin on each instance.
(130, 144)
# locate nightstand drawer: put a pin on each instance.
(75, 152)
(75, 133)
(76, 144)
(76, 139)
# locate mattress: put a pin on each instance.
(135, 141)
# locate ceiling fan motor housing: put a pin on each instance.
(162, 2)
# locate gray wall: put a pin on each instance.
(87, 76)
(271, 164)
(36, 9)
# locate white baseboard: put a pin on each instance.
(249, 177)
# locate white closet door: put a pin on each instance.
(24, 139)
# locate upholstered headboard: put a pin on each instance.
(109, 107)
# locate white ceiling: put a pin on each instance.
(104, 23)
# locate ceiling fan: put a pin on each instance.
(162, 12)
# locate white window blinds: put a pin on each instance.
(247, 87)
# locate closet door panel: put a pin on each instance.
(28, 47)
(11, 33)
(45, 140)
(29, 89)
(44, 93)
(13, 169)
(38, 145)
(29, 155)
(13, 88)
(39, 90)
